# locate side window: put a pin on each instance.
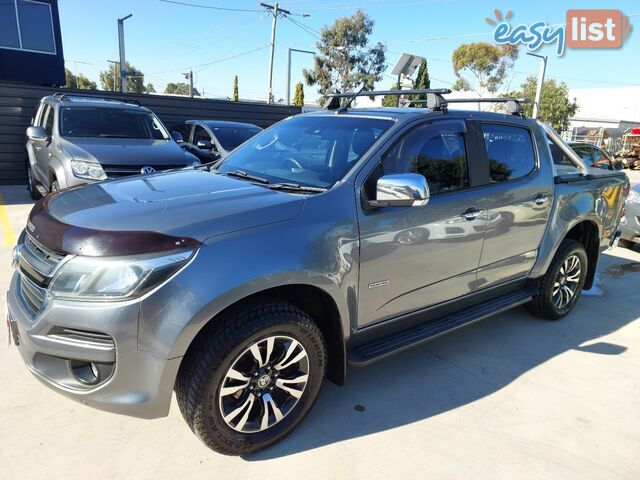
(201, 134)
(585, 155)
(600, 159)
(436, 151)
(48, 122)
(509, 151)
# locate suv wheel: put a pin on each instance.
(251, 379)
(560, 288)
(31, 184)
(55, 186)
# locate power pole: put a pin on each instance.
(115, 73)
(123, 63)
(541, 72)
(275, 11)
(189, 76)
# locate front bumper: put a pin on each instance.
(130, 381)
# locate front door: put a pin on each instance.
(413, 257)
(41, 147)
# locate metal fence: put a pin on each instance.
(18, 104)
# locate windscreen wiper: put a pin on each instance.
(248, 176)
(294, 187)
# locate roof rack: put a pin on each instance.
(514, 105)
(63, 95)
(434, 98)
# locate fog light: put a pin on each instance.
(85, 372)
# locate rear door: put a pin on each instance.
(414, 257)
(518, 198)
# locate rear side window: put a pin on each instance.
(436, 151)
(509, 151)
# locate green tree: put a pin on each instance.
(298, 96)
(79, 81)
(421, 82)
(489, 63)
(555, 107)
(236, 94)
(346, 61)
(461, 85)
(390, 100)
(149, 88)
(135, 79)
(179, 88)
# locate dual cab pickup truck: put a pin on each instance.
(333, 238)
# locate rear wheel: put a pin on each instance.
(559, 289)
(252, 378)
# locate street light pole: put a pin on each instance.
(289, 70)
(541, 72)
(123, 67)
(115, 72)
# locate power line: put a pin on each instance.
(211, 7)
(212, 62)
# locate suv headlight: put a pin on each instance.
(117, 278)
(89, 170)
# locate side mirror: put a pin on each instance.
(177, 136)
(204, 145)
(37, 134)
(401, 190)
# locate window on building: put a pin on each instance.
(26, 25)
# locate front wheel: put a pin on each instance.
(34, 193)
(559, 289)
(251, 379)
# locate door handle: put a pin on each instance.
(540, 199)
(471, 214)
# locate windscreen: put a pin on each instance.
(312, 151)
(105, 122)
(231, 137)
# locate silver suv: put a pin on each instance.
(80, 139)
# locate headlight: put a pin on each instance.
(90, 170)
(118, 278)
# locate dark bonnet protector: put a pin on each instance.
(69, 239)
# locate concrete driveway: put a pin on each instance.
(510, 397)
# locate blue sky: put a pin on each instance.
(164, 40)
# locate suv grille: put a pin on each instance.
(117, 171)
(32, 295)
(37, 264)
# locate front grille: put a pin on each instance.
(117, 171)
(37, 264)
(32, 295)
(49, 257)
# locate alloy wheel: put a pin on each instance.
(566, 283)
(263, 384)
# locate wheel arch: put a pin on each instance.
(587, 233)
(315, 302)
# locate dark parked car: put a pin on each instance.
(81, 139)
(594, 156)
(333, 238)
(211, 140)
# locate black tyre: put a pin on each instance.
(559, 289)
(626, 243)
(252, 377)
(55, 186)
(31, 184)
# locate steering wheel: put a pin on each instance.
(295, 163)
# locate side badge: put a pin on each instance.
(381, 283)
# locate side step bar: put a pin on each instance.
(365, 354)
